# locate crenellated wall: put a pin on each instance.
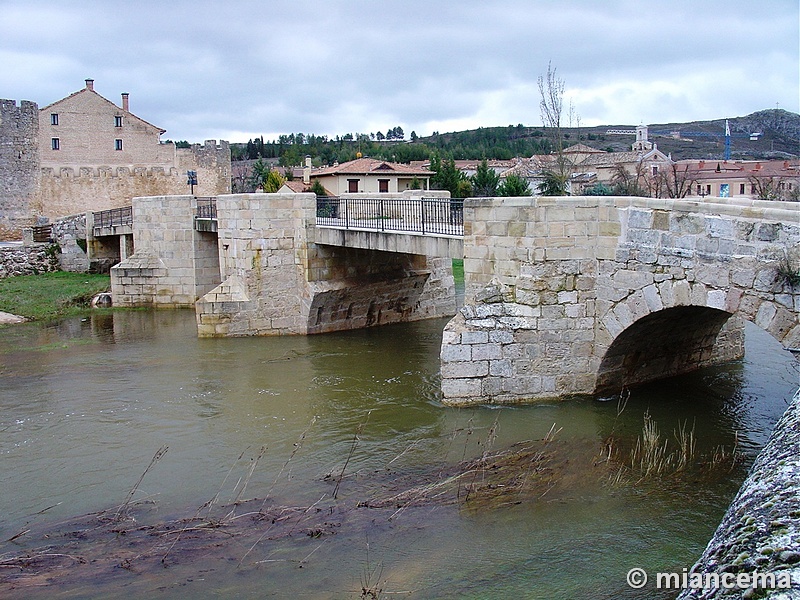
(70, 189)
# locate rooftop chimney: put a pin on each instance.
(90, 84)
(307, 171)
(125, 101)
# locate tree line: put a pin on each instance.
(492, 143)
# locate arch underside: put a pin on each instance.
(670, 342)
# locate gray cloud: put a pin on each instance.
(240, 68)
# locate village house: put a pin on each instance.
(84, 128)
(590, 166)
(371, 176)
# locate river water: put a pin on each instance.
(352, 461)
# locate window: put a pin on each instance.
(724, 190)
(117, 144)
(655, 170)
(54, 119)
(55, 144)
(383, 186)
(741, 189)
(352, 185)
(118, 121)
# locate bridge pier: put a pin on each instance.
(173, 265)
(571, 296)
(280, 275)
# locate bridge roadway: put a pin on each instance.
(419, 226)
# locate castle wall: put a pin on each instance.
(69, 190)
(87, 172)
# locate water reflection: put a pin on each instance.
(85, 403)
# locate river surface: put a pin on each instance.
(344, 444)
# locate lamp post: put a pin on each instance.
(191, 177)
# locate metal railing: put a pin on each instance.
(434, 216)
(206, 208)
(114, 217)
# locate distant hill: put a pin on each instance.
(779, 137)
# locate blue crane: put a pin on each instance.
(728, 136)
(692, 134)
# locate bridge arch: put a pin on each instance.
(677, 326)
(669, 342)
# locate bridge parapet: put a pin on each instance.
(584, 294)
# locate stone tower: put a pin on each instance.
(19, 164)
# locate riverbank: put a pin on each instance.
(50, 295)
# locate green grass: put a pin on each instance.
(50, 295)
(458, 270)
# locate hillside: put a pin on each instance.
(780, 137)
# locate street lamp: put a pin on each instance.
(191, 177)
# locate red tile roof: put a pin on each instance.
(366, 166)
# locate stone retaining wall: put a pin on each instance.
(28, 260)
(71, 236)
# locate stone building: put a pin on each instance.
(85, 153)
(761, 180)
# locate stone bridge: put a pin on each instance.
(587, 295)
(576, 295)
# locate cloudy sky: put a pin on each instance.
(235, 69)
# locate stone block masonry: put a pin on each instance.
(277, 280)
(68, 189)
(587, 295)
(173, 264)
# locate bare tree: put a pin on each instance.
(240, 176)
(627, 183)
(679, 180)
(766, 187)
(551, 89)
